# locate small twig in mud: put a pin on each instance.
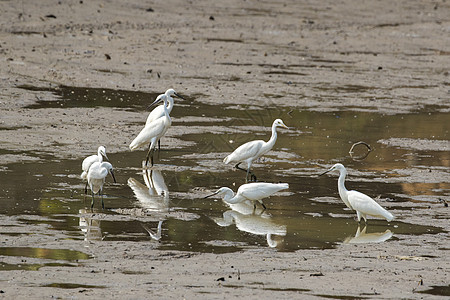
(359, 143)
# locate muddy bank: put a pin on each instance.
(380, 68)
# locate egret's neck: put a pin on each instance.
(341, 187)
(170, 104)
(166, 110)
(228, 196)
(100, 156)
(273, 138)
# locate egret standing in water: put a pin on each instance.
(250, 192)
(88, 161)
(96, 178)
(363, 204)
(153, 131)
(158, 112)
(253, 150)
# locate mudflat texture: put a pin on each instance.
(387, 57)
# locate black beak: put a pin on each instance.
(325, 172)
(178, 95)
(154, 102)
(112, 174)
(211, 195)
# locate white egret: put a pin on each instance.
(96, 178)
(88, 161)
(251, 151)
(153, 131)
(250, 192)
(363, 204)
(158, 112)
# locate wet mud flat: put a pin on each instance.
(79, 75)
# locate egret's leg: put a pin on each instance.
(103, 203)
(92, 202)
(260, 201)
(85, 188)
(358, 214)
(151, 178)
(365, 218)
(252, 176)
(246, 178)
(149, 155)
(159, 145)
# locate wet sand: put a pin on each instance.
(383, 57)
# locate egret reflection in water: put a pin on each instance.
(361, 237)
(89, 226)
(253, 221)
(154, 194)
(154, 235)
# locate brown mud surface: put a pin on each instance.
(380, 57)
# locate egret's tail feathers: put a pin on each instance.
(283, 185)
(135, 144)
(83, 175)
(389, 217)
(227, 159)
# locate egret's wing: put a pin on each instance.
(96, 171)
(154, 129)
(260, 190)
(88, 161)
(366, 205)
(245, 151)
(155, 114)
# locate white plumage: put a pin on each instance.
(96, 178)
(158, 112)
(250, 192)
(363, 204)
(153, 131)
(251, 151)
(88, 161)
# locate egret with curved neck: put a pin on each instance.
(96, 178)
(88, 161)
(252, 192)
(363, 204)
(251, 151)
